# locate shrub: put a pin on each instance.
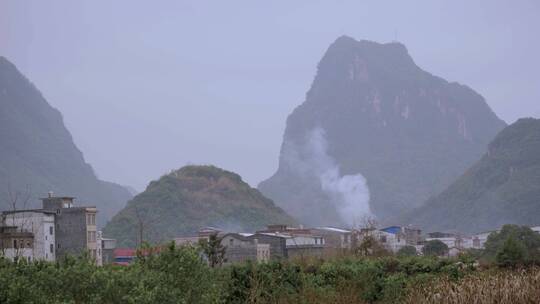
(511, 254)
(407, 251)
(435, 248)
(525, 243)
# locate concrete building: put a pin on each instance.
(241, 248)
(480, 239)
(39, 223)
(16, 244)
(203, 234)
(335, 238)
(105, 250)
(76, 230)
(394, 238)
(58, 229)
(286, 245)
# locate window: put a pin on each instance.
(51, 248)
(51, 228)
(58, 245)
(15, 244)
(91, 235)
(91, 219)
(21, 242)
(231, 242)
(28, 245)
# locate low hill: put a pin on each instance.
(183, 201)
(502, 188)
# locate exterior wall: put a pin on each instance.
(105, 250)
(238, 254)
(20, 253)
(278, 248)
(263, 252)
(480, 239)
(72, 232)
(107, 256)
(294, 252)
(391, 241)
(241, 248)
(335, 239)
(451, 242)
(42, 226)
(184, 241)
(303, 240)
(231, 240)
(91, 232)
(412, 236)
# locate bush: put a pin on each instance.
(524, 245)
(407, 251)
(511, 254)
(435, 248)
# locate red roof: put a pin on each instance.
(129, 252)
(125, 252)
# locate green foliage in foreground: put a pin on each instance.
(179, 275)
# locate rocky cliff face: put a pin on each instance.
(37, 152)
(503, 187)
(376, 135)
(185, 200)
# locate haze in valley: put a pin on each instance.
(146, 87)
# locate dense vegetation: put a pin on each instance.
(179, 275)
(503, 187)
(185, 200)
(38, 155)
(409, 133)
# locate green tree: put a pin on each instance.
(213, 250)
(511, 254)
(435, 248)
(370, 246)
(407, 251)
(527, 238)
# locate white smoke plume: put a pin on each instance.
(349, 193)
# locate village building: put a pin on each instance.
(16, 244)
(105, 250)
(124, 256)
(203, 234)
(240, 248)
(393, 238)
(58, 229)
(76, 230)
(335, 238)
(288, 242)
(40, 224)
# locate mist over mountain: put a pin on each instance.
(503, 187)
(185, 200)
(392, 136)
(37, 152)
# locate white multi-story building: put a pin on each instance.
(40, 223)
(58, 229)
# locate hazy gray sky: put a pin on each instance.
(148, 86)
